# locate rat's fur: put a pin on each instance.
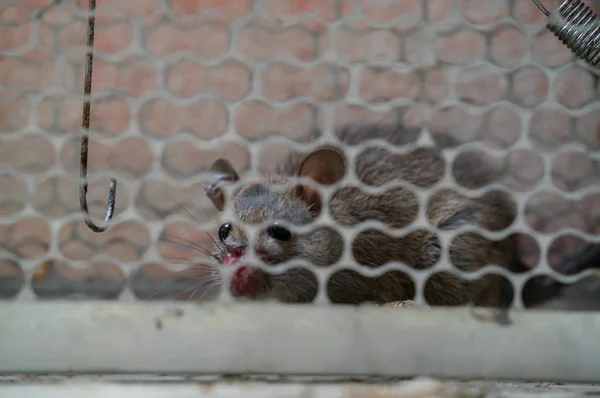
(397, 208)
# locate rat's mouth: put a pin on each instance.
(232, 256)
(249, 281)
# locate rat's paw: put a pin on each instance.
(398, 304)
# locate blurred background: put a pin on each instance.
(179, 83)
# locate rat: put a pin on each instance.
(299, 203)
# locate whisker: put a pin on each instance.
(200, 267)
(205, 230)
(182, 207)
(173, 284)
(217, 245)
(189, 213)
(196, 287)
(187, 244)
(191, 245)
(187, 241)
(184, 245)
(190, 265)
(193, 293)
(176, 258)
(211, 238)
(210, 282)
(202, 296)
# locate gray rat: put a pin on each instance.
(299, 204)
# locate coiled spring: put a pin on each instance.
(578, 27)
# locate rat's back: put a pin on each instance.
(397, 207)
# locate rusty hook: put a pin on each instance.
(85, 131)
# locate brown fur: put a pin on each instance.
(398, 207)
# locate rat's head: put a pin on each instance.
(273, 204)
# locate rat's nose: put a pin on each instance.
(249, 281)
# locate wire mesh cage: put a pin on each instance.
(326, 187)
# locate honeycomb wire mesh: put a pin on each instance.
(178, 84)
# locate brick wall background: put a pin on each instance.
(175, 80)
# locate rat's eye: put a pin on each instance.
(224, 231)
(278, 232)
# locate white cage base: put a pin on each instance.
(216, 338)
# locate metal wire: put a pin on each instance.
(578, 28)
(85, 130)
(541, 7)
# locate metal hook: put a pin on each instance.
(541, 7)
(85, 131)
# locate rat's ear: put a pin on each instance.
(220, 172)
(325, 166)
